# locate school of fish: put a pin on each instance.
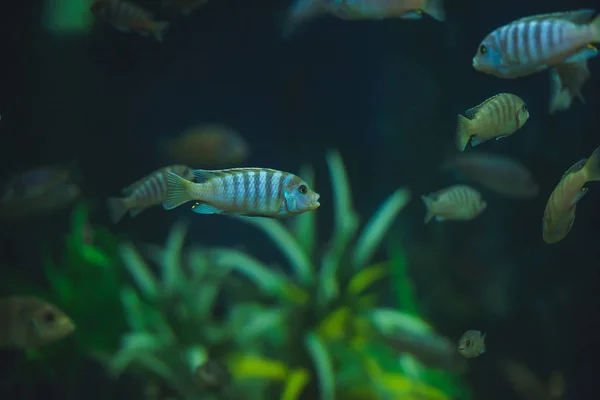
(560, 42)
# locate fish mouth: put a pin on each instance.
(316, 203)
(475, 63)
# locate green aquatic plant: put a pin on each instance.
(312, 334)
(327, 305)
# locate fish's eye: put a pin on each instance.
(302, 189)
(482, 49)
(48, 317)
(467, 343)
(524, 108)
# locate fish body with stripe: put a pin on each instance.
(242, 191)
(536, 43)
(146, 192)
(127, 17)
(458, 202)
(497, 117)
(559, 214)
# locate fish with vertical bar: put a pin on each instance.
(559, 214)
(536, 43)
(148, 191)
(29, 323)
(127, 17)
(458, 202)
(497, 117)
(471, 344)
(242, 191)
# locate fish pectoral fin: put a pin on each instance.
(588, 52)
(134, 212)
(476, 140)
(501, 137)
(414, 14)
(579, 196)
(439, 219)
(203, 208)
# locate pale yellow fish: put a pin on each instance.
(458, 202)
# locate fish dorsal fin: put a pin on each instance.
(205, 175)
(471, 113)
(578, 166)
(582, 16)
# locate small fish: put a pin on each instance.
(35, 182)
(244, 191)
(148, 191)
(212, 145)
(126, 17)
(53, 199)
(212, 374)
(458, 202)
(501, 174)
(566, 81)
(497, 117)
(29, 323)
(471, 344)
(305, 10)
(559, 214)
(185, 7)
(534, 44)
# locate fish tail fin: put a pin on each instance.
(117, 207)
(178, 191)
(159, 29)
(428, 202)
(592, 166)
(595, 25)
(462, 132)
(300, 12)
(435, 8)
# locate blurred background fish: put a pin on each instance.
(529, 386)
(129, 17)
(185, 7)
(471, 344)
(151, 190)
(566, 81)
(29, 323)
(502, 174)
(212, 145)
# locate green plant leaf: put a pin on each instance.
(323, 366)
(304, 225)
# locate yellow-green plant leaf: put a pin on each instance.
(335, 325)
(365, 278)
(389, 320)
(295, 384)
(172, 275)
(244, 366)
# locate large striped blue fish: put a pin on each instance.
(536, 43)
(243, 191)
(146, 192)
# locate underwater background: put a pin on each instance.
(308, 307)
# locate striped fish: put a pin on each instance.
(559, 214)
(536, 43)
(497, 117)
(242, 191)
(458, 202)
(126, 17)
(146, 192)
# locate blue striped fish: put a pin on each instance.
(458, 202)
(536, 43)
(146, 192)
(243, 191)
